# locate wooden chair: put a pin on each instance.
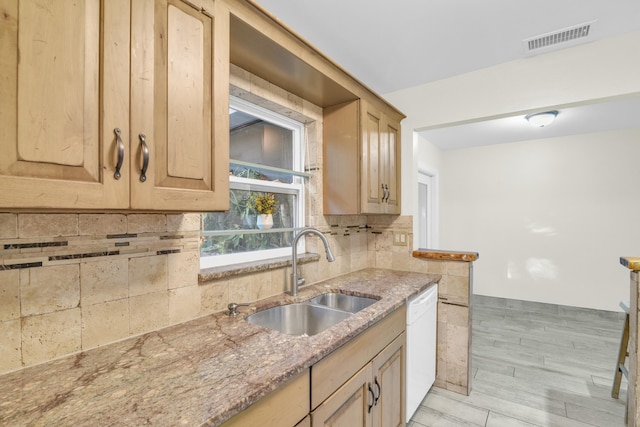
(622, 353)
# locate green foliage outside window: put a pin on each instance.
(242, 216)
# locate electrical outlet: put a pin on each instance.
(399, 238)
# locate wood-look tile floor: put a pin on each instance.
(534, 365)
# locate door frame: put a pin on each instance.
(430, 177)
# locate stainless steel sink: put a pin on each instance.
(350, 303)
(310, 317)
(298, 319)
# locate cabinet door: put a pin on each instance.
(390, 164)
(341, 152)
(179, 90)
(372, 136)
(349, 406)
(56, 130)
(388, 380)
(306, 422)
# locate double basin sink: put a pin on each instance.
(313, 316)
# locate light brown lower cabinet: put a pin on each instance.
(372, 397)
(305, 423)
(359, 384)
(389, 372)
(348, 405)
(284, 406)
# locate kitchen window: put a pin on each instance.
(265, 168)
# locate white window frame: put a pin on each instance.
(297, 187)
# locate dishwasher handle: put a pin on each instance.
(425, 296)
(422, 303)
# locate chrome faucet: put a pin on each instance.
(299, 281)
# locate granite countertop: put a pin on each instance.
(445, 255)
(197, 373)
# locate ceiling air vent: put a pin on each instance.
(558, 39)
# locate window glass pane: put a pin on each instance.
(256, 141)
(256, 172)
(266, 157)
(241, 223)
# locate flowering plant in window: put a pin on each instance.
(265, 203)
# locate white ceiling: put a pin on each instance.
(393, 45)
(591, 118)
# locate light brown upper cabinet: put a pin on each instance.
(361, 159)
(114, 104)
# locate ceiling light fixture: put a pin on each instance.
(541, 119)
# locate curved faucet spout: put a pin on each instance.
(299, 281)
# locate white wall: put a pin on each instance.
(550, 218)
(580, 74)
(577, 75)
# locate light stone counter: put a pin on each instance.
(198, 373)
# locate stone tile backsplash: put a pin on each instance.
(70, 282)
(116, 277)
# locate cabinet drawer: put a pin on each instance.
(334, 370)
(283, 407)
(348, 406)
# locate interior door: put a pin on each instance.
(426, 210)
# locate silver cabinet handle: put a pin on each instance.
(145, 157)
(385, 193)
(117, 174)
(373, 398)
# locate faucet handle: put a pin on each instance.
(301, 281)
(233, 308)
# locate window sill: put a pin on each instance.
(216, 273)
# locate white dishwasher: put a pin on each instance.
(421, 347)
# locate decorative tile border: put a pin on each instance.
(83, 255)
(121, 236)
(18, 266)
(347, 230)
(9, 246)
(30, 253)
